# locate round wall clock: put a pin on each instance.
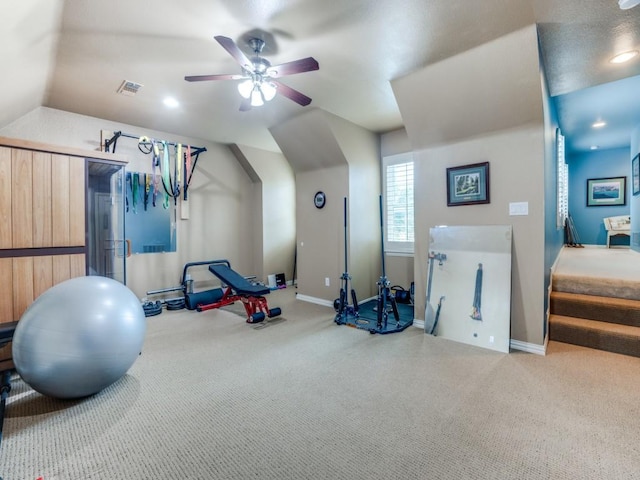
(319, 199)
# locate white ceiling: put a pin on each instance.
(74, 54)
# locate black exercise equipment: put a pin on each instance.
(344, 310)
(384, 290)
(175, 304)
(402, 295)
(435, 322)
(151, 309)
(190, 299)
(431, 318)
(385, 303)
(240, 289)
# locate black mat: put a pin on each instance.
(367, 318)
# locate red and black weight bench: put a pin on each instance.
(239, 289)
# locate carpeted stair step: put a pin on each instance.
(591, 307)
(598, 286)
(606, 336)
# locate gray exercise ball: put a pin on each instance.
(79, 337)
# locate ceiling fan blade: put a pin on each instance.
(201, 78)
(245, 105)
(297, 66)
(233, 49)
(292, 94)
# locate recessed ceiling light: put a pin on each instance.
(599, 124)
(624, 56)
(170, 102)
(594, 147)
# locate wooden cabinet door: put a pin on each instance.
(23, 295)
(60, 199)
(6, 237)
(6, 292)
(42, 186)
(22, 198)
(77, 192)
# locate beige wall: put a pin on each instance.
(361, 149)
(400, 268)
(320, 231)
(508, 184)
(274, 210)
(221, 197)
(332, 155)
(470, 114)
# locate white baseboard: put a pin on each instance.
(529, 347)
(514, 344)
(317, 301)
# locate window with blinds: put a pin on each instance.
(563, 182)
(398, 203)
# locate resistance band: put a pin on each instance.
(187, 171)
(126, 191)
(147, 189)
(135, 183)
(155, 162)
(166, 178)
(476, 314)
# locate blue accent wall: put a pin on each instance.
(596, 164)
(635, 200)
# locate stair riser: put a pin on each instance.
(600, 311)
(601, 340)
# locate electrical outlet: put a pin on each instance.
(327, 282)
(491, 339)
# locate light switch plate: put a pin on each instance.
(518, 208)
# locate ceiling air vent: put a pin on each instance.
(129, 88)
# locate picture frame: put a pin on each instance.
(468, 184)
(635, 174)
(606, 192)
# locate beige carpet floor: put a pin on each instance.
(212, 397)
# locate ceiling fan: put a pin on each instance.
(260, 84)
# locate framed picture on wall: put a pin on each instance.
(635, 174)
(603, 192)
(468, 184)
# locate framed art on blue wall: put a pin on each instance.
(468, 184)
(603, 192)
(635, 174)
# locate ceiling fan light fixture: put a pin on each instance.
(598, 124)
(245, 88)
(256, 97)
(624, 56)
(268, 90)
(627, 4)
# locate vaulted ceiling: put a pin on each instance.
(73, 55)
